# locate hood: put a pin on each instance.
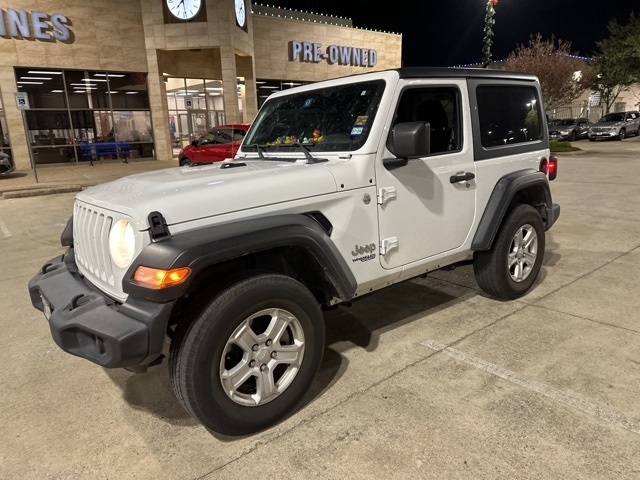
(608, 124)
(183, 194)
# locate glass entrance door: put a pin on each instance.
(199, 124)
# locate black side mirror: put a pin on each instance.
(408, 140)
(195, 143)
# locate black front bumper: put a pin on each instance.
(87, 324)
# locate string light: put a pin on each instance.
(302, 19)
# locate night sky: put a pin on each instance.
(450, 32)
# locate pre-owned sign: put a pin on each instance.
(34, 25)
(313, 52)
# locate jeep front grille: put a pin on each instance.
(91, 243)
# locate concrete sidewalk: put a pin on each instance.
(73, 177)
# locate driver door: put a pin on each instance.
(424, 207)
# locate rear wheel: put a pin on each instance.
(510, 267)
(249, 357)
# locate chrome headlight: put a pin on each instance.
(122, 243)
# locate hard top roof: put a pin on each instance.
(458, 72)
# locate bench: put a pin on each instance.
(95, 150)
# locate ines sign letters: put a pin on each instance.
(34, 25)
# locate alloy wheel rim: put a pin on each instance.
(523, 253)
(262, 357)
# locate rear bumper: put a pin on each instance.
(87, 324)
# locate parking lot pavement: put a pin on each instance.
(426, 379)
(72, 177)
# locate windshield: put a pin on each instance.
(612, 117)
(568, 121)
(328, 119)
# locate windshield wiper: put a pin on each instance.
(259, 149)
(307, 153)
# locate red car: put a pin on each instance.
(217, 144)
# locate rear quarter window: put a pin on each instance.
(508, 115)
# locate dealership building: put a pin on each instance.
(151, 75)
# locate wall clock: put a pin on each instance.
(184, 9)
(241, 13)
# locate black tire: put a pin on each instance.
(621, 134)
(592, 139)
(203, 357)
(491, 268)
(185, 162)
(572, 137)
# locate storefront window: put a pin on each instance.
(5, 141)
(267, 87)
(50, 136)
(207, 112)
(128, 90)
(45, 87)
(71, 107)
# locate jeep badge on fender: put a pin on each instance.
(238, 280)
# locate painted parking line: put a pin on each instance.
(3, 229)
(571, 399)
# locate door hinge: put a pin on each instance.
(385, 194)
(388, 244)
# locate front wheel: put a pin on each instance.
(249, 357)
(621, 134)
(510, 267)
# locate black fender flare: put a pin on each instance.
(503, 193)
(204, 247)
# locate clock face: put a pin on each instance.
(184, 9)
(241, 14)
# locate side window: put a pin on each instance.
(207, 138)
(238, 135)
(440, 106)
(508, 115)
(224, 135)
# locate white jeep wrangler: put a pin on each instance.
(340, 188)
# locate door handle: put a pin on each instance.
(462, 177)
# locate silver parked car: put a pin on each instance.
(570, 129)
(6, 164)
(617, 125)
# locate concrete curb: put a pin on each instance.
(38, 191)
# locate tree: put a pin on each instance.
(489, 22)
(618, 60)
(563, 78)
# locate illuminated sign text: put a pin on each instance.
(333, 54)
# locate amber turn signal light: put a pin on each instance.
(156, 278)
